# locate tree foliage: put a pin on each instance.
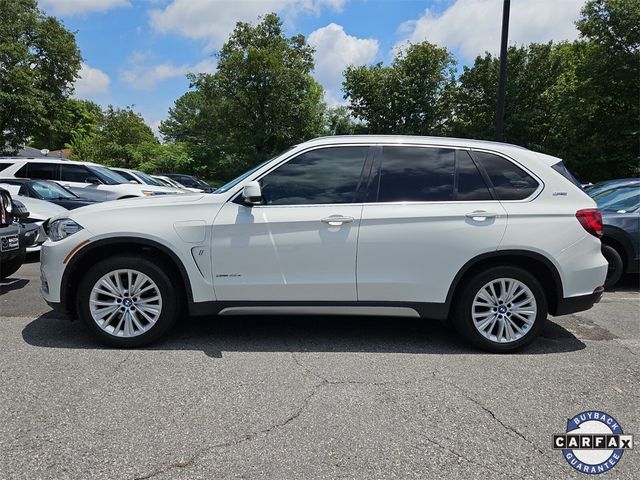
(414, 95)
(114, 141)
(261, 100)
(73, 117)
(39, 61)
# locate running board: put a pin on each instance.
(320, 310)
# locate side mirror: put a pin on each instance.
(252, 193)
(93, 180)
(134, 181)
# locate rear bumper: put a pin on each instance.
(579, 303)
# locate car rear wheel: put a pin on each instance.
(615, 267)
(128, 301)
(501, 309)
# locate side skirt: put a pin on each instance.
(436, 311)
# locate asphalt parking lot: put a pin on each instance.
(309, 397)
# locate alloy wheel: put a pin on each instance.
(504, 310)
(125, 303)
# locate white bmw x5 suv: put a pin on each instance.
(491, 236)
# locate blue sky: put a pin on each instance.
(137, 52)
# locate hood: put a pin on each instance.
(133, 205)
(40, 209)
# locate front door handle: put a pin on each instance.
(337, 220)
(481, 215)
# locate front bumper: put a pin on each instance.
(54, 257)
(579, 303)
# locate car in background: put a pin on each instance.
(48, 191)
(14, 237)
(141, 178)
(85, 179)
(619, 202)
(170, 182)
(38, 212)
(189, 181)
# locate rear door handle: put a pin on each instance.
(337, 220)
(481, 215)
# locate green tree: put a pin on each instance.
(412, 96)
(39, 61)
(261, 100)
(338, 121)
(153, 157)
(120, 129)
(74, 117)
(531, 72)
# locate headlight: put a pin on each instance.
(59, 229)
(6, 203)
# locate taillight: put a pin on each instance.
(591, 221)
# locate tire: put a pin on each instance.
(616, 265)
(530, 318)
(118, 328)
(9, 267)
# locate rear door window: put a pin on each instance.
(39, 171)
(470, 185)
(415, 174)
(74, 173)
(510, 182)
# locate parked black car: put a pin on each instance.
(619, 202)
(189, 181)
(49, 191)
(14, 239)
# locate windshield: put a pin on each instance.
(237, 180)
(149, 180)
(51, 191)
(623, 199)
(106, 176)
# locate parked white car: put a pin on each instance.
(85, 179)
(491, 236)
(39, 211)
(173, 183)
(135, 176)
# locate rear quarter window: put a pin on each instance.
(509, 181)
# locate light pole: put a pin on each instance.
(502, 79)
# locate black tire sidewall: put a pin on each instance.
(462, 318)
(613, 257)
(9, 267)
(171, 299)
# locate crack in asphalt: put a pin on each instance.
(456, 453)
(238, 441)
(490, 412)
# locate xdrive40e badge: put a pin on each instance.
(594, 442)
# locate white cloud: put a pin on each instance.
(144, 76)
(336, 50)
(472, 27)
(76, 7)
(214, 20)
(91, 82)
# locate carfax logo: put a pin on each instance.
(594, 442)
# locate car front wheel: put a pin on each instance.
(128, 301)
(501, 309)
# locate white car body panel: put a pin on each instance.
(285, 253)
(408, 252)
(411, 252)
